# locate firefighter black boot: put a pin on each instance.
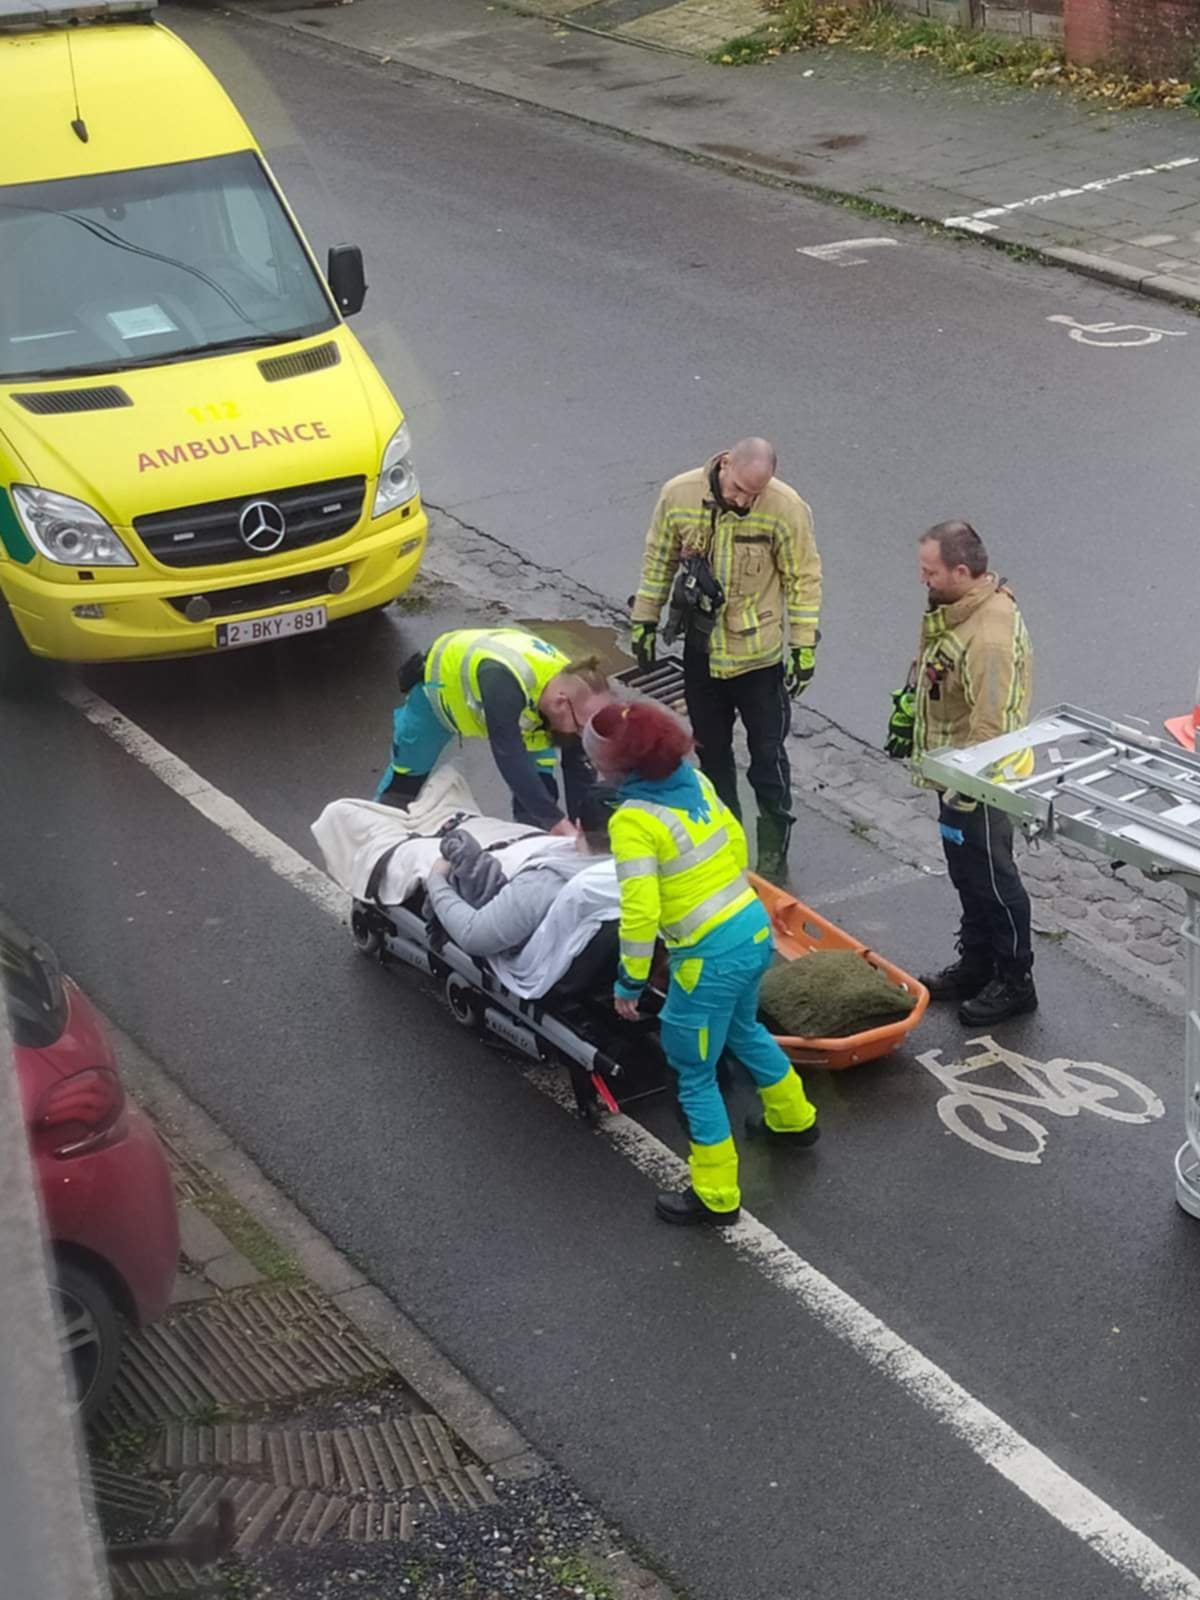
(772, 862)
(1009, 994)
(963, 978)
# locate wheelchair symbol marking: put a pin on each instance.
(1081, 332)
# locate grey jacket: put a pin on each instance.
(507, 920)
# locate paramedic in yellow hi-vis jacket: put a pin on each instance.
(681, 858)
(515, 690)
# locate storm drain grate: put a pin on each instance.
(661, 681)
(191, 1181)
(185, 1445)
(118, 1494)
(154, 1578)
(384, 1458)
(236, 1352)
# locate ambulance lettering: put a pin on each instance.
(223, 444)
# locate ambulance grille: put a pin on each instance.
(275, 368)
(210, 534)
(58, 402)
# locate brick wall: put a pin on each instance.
(1159, 37)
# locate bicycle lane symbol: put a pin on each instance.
(981, 1113)
(1081, 332)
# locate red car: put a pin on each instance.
(107, 1199)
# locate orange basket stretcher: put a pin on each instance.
(799, 930)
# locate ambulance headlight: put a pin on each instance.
(67, 531)
(397, 478)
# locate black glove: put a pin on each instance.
(643, 637)
(798, 673)
(899, 744)
(411, 673)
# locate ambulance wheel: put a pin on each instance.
(18, 666)
(368, 939)
(464, 1003)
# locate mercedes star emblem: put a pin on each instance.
(262, 526)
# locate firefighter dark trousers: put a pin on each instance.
(978, 846)
(760, 699)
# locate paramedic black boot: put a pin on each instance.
(773, 836)
(687, 1210)
(963, 978)
(756, 1127)
(1010, 994)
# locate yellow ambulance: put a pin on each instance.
(195, 451)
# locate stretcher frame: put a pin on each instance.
(480, 1002)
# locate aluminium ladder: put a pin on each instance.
(1120, 790)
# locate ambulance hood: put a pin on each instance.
(203, 429)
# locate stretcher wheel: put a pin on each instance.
(465, 1004)
(366, 933)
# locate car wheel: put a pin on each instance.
(89, 1334)
(18, 667)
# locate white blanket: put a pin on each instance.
(353, 834)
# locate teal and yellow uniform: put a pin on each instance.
(457, 696)
(681, 860)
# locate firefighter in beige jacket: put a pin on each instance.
(756, 533)
(971, 682)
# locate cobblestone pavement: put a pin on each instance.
(1121, 919)
(1113, 194)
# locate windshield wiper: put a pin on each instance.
(253, 341)
(56, 374)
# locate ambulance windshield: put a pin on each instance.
(130, 269)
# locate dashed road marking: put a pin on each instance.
(980, 221)
(1070, 1503)
(842, 251)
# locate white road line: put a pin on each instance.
(1027, 1468)
(230, 817)
(867, 886)
(979, 221)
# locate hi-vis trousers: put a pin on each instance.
(712, 1003)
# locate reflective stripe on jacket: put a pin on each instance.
(452, 678)
(766, 562)
(679, 877)
(973, 677)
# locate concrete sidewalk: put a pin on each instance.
(1114, 194)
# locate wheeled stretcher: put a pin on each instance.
(611, 1063)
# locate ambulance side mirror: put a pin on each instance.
(347, 277)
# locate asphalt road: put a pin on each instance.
(571, 318)
(735, 1438)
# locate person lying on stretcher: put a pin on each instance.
(486, 920)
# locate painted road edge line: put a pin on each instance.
(1070, 1503)
(210, 802)
(979, 221)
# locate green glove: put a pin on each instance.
(800, 669)
(899, 743)
(642, 637)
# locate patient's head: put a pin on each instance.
(597, 805)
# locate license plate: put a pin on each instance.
(261, 630)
